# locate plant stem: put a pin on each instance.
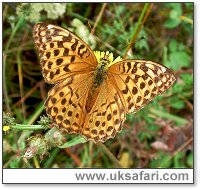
(36, 114)
(21, 87)
(177, 119)
(27, 127)
(140, 23)
(5, 90)
(110, 155)
(36, 163)
(21, 20)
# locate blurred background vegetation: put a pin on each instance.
(158, 136)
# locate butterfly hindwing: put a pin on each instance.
(66, 102)
(107, 115)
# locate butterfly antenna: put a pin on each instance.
(92, 32)
(133, 44)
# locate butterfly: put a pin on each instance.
(92, 93)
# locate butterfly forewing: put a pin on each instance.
(61, 52)
(139, 81)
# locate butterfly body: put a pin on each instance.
(92, 92)
(100, 72)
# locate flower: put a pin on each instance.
(99, 55)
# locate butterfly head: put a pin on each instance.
(106, 58)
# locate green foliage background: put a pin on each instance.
(168, 39)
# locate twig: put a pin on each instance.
(179, 150)
(21, 87)
(5, 90)
(31, 91)
(110, 155)
(73, 156)
(98, 17)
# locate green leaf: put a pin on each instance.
(177, 160)
(174, 15)
(144, 136)
(179, 60)
(163, 161)
(172, 23)
(173, 45)
(189, 5)
(177, 88)
(178, 104)
(153, 127)
(181, 47)
(190, 160)
(73, 142)
(176, 7)
(148, 119)
(15, 163)
(187, 78)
